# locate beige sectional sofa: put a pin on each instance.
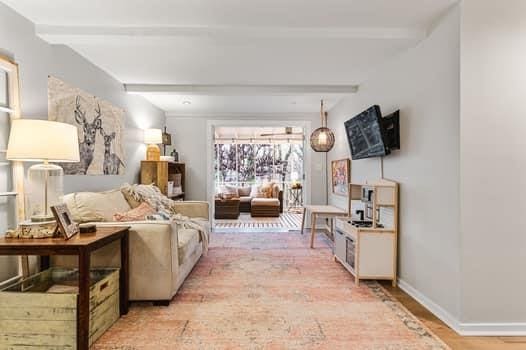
(161, 254)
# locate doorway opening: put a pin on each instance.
(259, 178)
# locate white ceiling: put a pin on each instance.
(257, 42)
(261, 104)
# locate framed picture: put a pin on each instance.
(65, 223)
(341, 175)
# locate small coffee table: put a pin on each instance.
(327, 211)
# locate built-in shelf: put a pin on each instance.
(6, 194)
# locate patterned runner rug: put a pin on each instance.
(290, 221)
(270, 291)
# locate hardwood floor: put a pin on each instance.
(445, 333)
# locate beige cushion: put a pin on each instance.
(244, 191)
(229, 190)
(245, 199)
(96, 206)
(188, 240)
(263, 191)
(268, 202)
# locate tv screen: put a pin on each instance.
(365, 134)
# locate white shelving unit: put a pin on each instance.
(370, 252)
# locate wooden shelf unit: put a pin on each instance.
(160, 172)
(370, 252)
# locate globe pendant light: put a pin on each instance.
(322, 139)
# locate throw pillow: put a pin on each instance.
(95, 206)
(259, 192)
(229, 191)
(151, 195)
(244, 191)
(266, 191)
(137, 214)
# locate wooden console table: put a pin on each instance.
(82, 245)
(327, 211)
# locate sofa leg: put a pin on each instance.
(161, 303)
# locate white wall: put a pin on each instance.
(37, 59)
(189, 138)
(493, 168)
(424, 84)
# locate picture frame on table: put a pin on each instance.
(65, 223)
(340, 176)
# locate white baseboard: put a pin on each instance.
(493, 329)
(464, 329)
(429, 304)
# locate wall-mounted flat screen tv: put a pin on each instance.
(369, 135)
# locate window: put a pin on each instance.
(8, 199)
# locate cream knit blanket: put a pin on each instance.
(162, 204)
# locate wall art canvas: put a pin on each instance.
(341, 175)
(100, 128)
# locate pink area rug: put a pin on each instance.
(270, 291)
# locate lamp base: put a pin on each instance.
(153, 153)
(42, 218)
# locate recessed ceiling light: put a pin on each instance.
(186, 102)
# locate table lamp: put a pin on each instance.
(153, 137)
(44, 141)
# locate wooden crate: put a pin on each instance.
(41, 311)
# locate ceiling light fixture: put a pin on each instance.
(322, 139)
(186, 102)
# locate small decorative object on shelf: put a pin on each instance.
(175, 155)
(65, 224)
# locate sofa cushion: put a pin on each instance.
(262, 191)
(245, 199)
(188, 242)
(244, 191)
(229, 190)
(267, 202)
(96, 206)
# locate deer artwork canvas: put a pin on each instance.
(100, 128)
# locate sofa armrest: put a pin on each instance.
(153, 258)
(193, 209)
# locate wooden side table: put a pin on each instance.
(327, 211)
(82, 245)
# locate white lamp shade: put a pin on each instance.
(153, 136)
(34, 140)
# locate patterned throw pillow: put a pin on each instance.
(137, 214)
(151, 195)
